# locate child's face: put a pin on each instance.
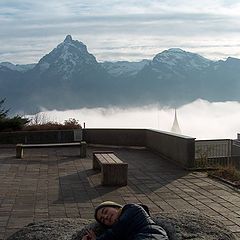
(108, 215)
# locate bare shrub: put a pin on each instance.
(229, 173)
(40, 122)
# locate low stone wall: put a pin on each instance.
(49, 136)
(178, 148)
(119, 137)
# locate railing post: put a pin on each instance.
(83, 149)
(229, 151)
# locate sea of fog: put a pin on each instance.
(200, 119)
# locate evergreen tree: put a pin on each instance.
(3, 111)
(10, 124)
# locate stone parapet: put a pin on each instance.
(32, 137)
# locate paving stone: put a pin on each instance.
(56, 183)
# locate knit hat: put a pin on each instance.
(106, 204)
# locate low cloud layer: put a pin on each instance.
(200, 119)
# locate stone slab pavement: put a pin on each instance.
(55, 183)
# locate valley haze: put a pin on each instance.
(199, 119)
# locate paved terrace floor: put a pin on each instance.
(55, 183)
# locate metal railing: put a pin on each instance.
(213, 153)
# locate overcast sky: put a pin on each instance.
(119, 29)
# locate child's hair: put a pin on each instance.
(106, 204)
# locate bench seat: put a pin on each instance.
(82, 145)
(113, 169)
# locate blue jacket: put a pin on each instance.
(134, 224)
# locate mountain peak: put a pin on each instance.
(69, 42)
(68, 38)
(177, 57)
(175, 50)
(67, 58)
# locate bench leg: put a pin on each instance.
(19, 151)
(83, 149)
(95, 163)
(113, 175)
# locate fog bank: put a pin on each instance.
(200, 119)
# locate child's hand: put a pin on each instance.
(89, 236)
(85, 237)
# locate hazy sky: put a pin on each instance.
(200, 119)
(119, 29)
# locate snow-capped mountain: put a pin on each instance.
(122, 68)
(178, 58)
(66, 59)
(70, 77)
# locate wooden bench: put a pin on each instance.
(113, 170)
(82, 145)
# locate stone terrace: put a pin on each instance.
(56, 183)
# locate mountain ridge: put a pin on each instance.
(71, 77)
